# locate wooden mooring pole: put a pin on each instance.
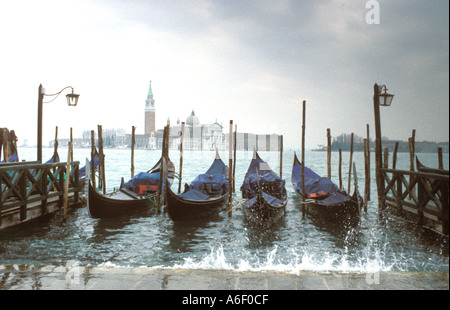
(368, 163)
(366, 174)
(102, 175)
(303, 159)
(440, 160)
(234, 157)
(66, 182)
(230, 170)
(340, 169)
(93, 151)
(350, 164)
(181, 157)
(394, 156)
(162, 169)
(281, 156)
(378, 151)
(133, 142)
(328, 153)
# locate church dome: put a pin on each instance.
(192, 120)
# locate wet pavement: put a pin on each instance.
(73, 277)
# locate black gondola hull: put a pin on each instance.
(348, 211)
(117, 203)
(123, 201)
(263, 213)
(334, 212)
(179, 208)
(265, 205)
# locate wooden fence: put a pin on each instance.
(31, 185)
(420, 197)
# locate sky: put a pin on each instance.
(250, 61)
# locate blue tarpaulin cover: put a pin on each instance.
(210, 184)
(213, 182)
(194, 195)
(260, 177)
(142, 178)
(268, 182)
(317, 186)
(313, 182)
(334, 198)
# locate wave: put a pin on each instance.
(295, 263)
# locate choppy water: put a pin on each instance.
(293, 245)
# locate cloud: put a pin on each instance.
(250, 61)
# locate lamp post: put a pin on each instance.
(72, 100)
(385, 100)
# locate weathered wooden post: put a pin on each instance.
(93, 159)
(71, 140)
(350, 164)
(394, 156)
(181, 156)
(234, 158)
(55, 144)
(281, 156)
(161, 170)
(440, 160)
(166, 165)
(133, 142)
(386, 157)
(367, 175)
(411, 162)
(340, 168)
(378, 156)
(230, 170)
(101, 160)
(303, 159)
(66, 183)
(328, 153)
(368, 164)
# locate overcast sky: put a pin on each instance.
(250, 61)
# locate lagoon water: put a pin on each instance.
(293, 245)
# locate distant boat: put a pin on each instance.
(140, 193)
(204, 197)
(325, 199)
(320, 148)
(266, 193)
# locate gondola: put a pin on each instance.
(422, 168)
(139, 193)
(265, 194)
(323, 197)
(204, 197)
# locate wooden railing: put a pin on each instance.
(421, 194)
(25, 183)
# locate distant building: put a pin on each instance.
(150, 115)
(197, 136)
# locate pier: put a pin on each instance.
(419, 197)
(31, 189)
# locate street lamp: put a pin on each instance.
(72, 100)
(386, 100)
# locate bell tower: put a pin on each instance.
(150, 118)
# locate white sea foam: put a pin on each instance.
(294, 263)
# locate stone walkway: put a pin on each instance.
(31, 277)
